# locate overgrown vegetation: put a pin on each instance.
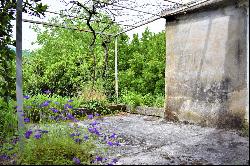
(68, 79)
(7, 61)
(68, 71)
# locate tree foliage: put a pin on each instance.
(64, 62)
(141, 67)
(7, 56)
(7, 60)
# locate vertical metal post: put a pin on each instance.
(19, 92)
(247, 42)
(116, 69)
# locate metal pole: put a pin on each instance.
(19, 92)
(247, 42)
(116, 69)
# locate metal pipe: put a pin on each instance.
(19, 90)
(116, 68)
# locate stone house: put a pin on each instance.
(207, 63)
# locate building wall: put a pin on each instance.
(206, 66)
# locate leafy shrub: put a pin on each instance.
(8, 119)
(56, 148)
(159, 101)
(135, 99)
(132, 98)
(43, 107)
(46, 108)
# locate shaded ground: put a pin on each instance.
(152, 140)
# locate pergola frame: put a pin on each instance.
(19, 90)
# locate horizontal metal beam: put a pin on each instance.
(82, 18)
(145, 23)
(65, 27)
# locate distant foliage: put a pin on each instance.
(142, 69)
(64, 65)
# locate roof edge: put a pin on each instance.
(199, 5)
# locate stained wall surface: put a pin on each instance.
(206, 66)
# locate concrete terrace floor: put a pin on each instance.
(154, 141)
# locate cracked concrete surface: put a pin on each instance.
(154, 141)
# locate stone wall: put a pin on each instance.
(206, 65)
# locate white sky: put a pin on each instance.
(29, 35)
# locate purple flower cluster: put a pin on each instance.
(76, 160)
(47, 91)
(95, 131)
(26, 120)
(26, 97)
(37, 135)
(54, 110)
(67, 106)
(28, 133)
(45, 104)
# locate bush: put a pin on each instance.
(132, 98)
(8, 119)
(44, 107)
(159, 101)
(56, 148)
(135, 99)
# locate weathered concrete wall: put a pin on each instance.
(206, 66)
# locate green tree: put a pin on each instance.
(64, 64)
(142, 66)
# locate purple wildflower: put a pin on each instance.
(115, 160)
(26, 120)
(113, 135)
(70, 100)
(70, 116)
(46, 103)
(26, 97)
(91, 130)
(94, 130)
(77, 140)
(72, 135)
(90, 116)
(15, 140)
(96, 114)
(45, 131)
(38, 136)
(86, 137)
(110, 143)
(54, 110)
(98, 158)
(76, 160)
(5, 157)
(47, 91)
(66, 106)
(28, 133)
(93, 123)
(117, 144)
